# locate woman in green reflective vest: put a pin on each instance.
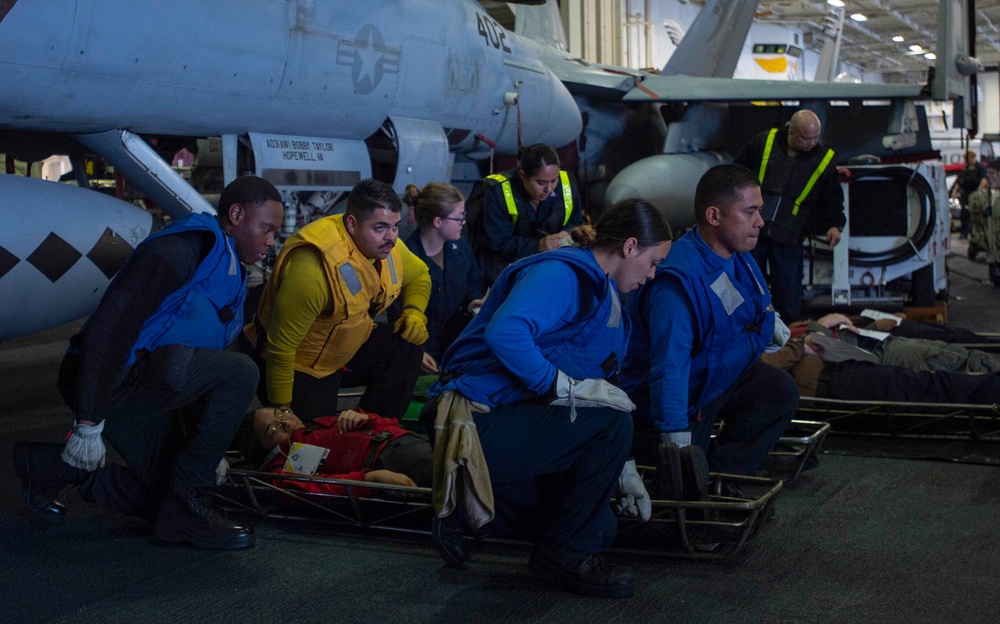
(526, 210)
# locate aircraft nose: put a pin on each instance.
(554, 114)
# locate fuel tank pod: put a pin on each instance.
(59, 248)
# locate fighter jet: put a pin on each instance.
(693, 113)
(310, 95)
(315, 96)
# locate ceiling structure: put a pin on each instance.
(868, 45)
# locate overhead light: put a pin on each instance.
(930, 56)
(898, 38)
(916, 48)
(836, 3)
(859, 17)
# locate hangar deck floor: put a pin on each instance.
(858, 539)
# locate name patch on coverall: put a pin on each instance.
(730, 297)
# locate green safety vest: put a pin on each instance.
(820, 168)
(508, 195)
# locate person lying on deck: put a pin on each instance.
(354, 445)
(844, 341)
(900, 326)
(858, 380)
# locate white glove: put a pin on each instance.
(680, 438)
(780, 335)
(84, 447)
(589, 393)
(634, 499)
(220, 471)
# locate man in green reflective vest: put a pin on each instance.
(802, 196)
(524, 211)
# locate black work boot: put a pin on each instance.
(694, 468)
(448, 534)
(192, 518)
(43, 475)
(581, 573)
(669, 479)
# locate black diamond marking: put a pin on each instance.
(54, 257)
(109, 253)
(7, 261)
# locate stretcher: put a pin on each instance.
(940, 421)
(992, 347)
(798, 450)
(716, 529)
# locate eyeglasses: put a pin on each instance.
(459, 219)
(280, 424)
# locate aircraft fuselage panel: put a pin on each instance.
(295, 67)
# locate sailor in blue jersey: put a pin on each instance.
(150, 371)
(552, 320)
(700, 326)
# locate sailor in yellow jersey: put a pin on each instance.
(314, 331)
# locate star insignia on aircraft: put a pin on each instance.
(369, 58)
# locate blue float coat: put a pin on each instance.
(207, 311)
(556, 310)
(699, 324)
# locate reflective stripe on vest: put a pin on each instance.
(392, 270)
(567, 196)
(767, 154)
(812, 180)
(508, 195)
(820, 168)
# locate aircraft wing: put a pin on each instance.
(654, 88)
(595, 78)
(605, 81)
(583, 77)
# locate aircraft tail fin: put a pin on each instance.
(540, 23)
(955, 60)
(713, 44)
(956, 65)
(833, 28)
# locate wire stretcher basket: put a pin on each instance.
(798, 449)
(363, 505)
(718, 529)
(715, 529)
(937, 421)
(721, 527)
